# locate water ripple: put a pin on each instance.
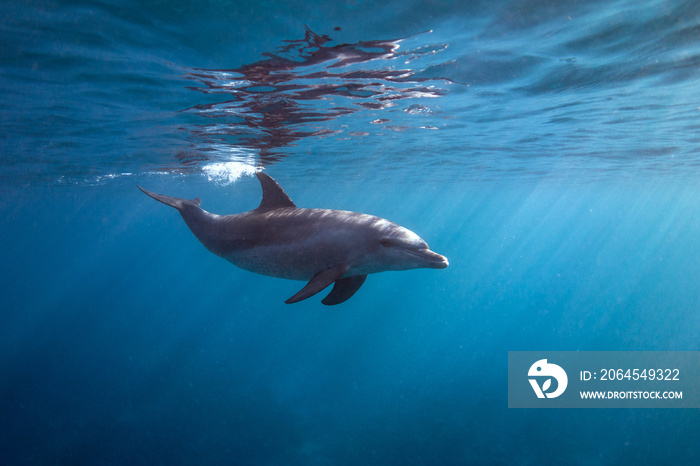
(273, 103)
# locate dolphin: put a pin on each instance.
(320, 246)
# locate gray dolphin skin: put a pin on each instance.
(320, 246)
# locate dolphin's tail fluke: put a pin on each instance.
(176, 202)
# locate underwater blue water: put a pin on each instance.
(549, 149)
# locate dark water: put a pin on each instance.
(548, 149)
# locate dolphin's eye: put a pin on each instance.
(385, 242)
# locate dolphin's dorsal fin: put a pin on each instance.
(273, 196)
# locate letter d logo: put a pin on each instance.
(542, 369)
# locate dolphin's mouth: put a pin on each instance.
(432, 259)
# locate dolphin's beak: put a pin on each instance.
(432, 259)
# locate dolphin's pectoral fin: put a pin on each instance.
(343, 289)
(319, 281)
